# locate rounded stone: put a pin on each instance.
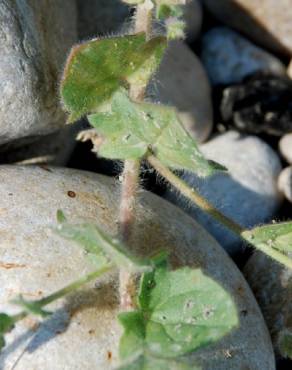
(285, 183)
(229, 57)
(267, 22)
(54, 149)
(35, 36)
(101, 17)
(272, 286)
(181, 81)
(289, 69)
(247, 193)
(83, 332)
(285, 146)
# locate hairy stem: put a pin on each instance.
(130, 176)
(130, 183)
(143, 18)
(66, 290)
(193, 195)
(201, 202)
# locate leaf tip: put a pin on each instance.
(61, 218)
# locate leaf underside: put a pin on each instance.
(96, 69)
(278, 236)
(131, 129)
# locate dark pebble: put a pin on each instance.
(263, 104)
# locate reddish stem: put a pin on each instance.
(130, 177)
(130, 183)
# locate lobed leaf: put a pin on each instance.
(96, 69)
(278, 236)
(179, 312)
(131, 130)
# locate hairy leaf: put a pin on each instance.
(179, 312)
(278, 236)
(102, 246)
(86, 236)
(96, 69)
(188, 311)
(131, 130)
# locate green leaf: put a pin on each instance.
(96, 69)
(31, 307)
(147, 281)
(285, 343)
(188, 311)
(130, 130)
(86, 236)
(6, 325)
(175, 29)
(2, 342)
(278, 236)
(102, 246)
(164, 11)
(61, 218)
(132, 341)
(179, 312)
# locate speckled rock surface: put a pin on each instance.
(272, 286)
(181, 81)
(267, 22)
(36, 262)
(247, 193)
(229, 57)
(35, 36)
